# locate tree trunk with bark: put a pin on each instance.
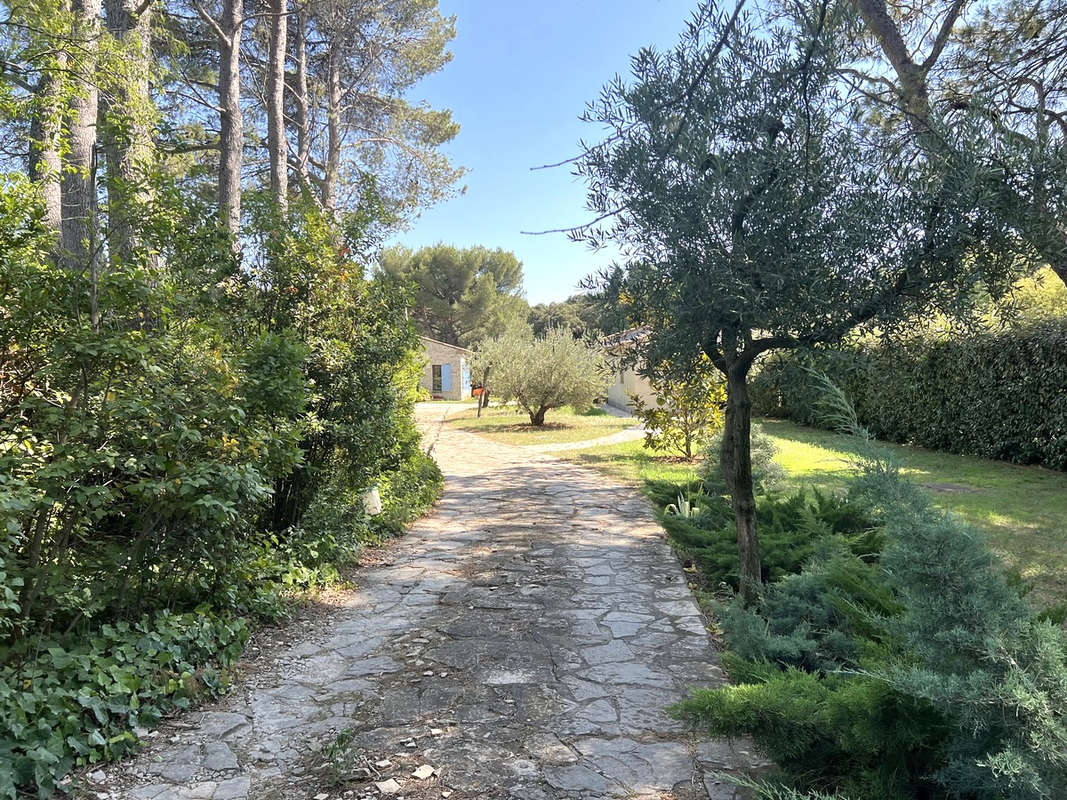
(276, 140)
(736, 464)
(127, 135)
(46, 131)
(231, 120)
(301, 103)
(537, 418)
(332, 173)
(78, 229)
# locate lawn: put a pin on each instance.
(1023, 510)
(510, 425)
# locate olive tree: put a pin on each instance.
(756, 214)
(543, 373)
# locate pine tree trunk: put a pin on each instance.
(737, 472)
(78, 229)
(45, 164)
(300, 100)
(333, 130)
(231, 121)
(276, 141)
(127, 135)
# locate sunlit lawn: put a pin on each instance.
(1023, 510)
(510, 425)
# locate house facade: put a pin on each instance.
(447, 373)
(628, 383)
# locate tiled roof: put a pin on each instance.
(625, 339)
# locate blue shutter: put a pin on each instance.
(446, 377)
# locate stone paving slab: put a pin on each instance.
(522, 644)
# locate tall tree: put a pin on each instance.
(129, 121)
(462, 296)
(926, 67)
(759, 217)
(228, 30)
(78, 233)
(277, 146)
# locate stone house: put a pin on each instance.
(628, 383)
(447, 373)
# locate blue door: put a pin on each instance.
(466, 382)
(446, 377)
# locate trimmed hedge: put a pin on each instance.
(999, 395)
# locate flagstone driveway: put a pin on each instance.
(521, 642)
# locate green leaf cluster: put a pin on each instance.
(910, 666)
(996, 394)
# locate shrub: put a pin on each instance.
(542, 374)
(790, 527)
(846, 733)
(927, 675)
(686, 413)
(181, 433)
(997, 394)
(819, 619)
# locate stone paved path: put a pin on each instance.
(523, 643)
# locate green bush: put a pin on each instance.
(820, 619)
(924, 673)
(845, 733)
(995, 394)
(183, 433)
(789, 529)
(76, 701)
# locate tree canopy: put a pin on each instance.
(759, 211)
(542, 373)
(461, 295)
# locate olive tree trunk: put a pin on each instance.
(737, 472)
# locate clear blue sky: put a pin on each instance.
(521, 76)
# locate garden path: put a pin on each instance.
(522, 642)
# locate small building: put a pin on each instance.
(447, 374)
(628, 383)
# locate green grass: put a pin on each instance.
(1022, 510)
(510, 425)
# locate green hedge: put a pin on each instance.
(997, 395)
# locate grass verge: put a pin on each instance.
(1022, 510)
(511, 425)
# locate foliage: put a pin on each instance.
(747, 199)
(686, 413)
(200, 446)
(997, 394)
(854, 676)
(79, 699)
(462, 296)
(542, 374)
(590, 315)
(791, 528)
(844, 733)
